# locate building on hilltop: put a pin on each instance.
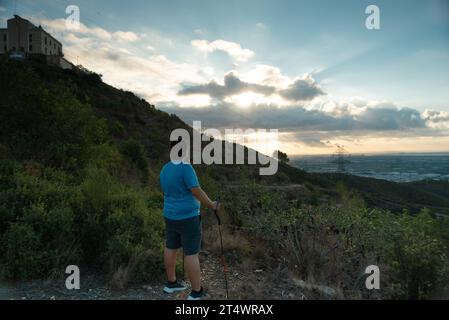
(23, 40)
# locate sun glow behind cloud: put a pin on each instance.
(246, 99)
(178, 75)
(261, 140)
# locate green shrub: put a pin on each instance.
(48, 222)
(21, 252)
(136, 153)
(43, 211)
(119, 223)
(332, 244)
(117, 129)
(45, 123)
(49, 125)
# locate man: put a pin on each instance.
(182, 198)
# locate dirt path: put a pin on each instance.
(243, 284)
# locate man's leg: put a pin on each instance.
(170, 263)
(192, 264)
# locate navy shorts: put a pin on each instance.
(183, 233)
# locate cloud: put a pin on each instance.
(124, 62)
(200, 32)
(436, 119)
(156, 39)
(126, 36)
(436, 116)
(233, 49)
(58, 27)
(232, 86)
(389, 118)
(310, 139)
(296, 105)
(367, 127)
(299, 118)
(302, 90)
(150, 48)
(2, 9)
(261, 26)
(267, 75)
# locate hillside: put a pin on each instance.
(128, 117)
(79, 164)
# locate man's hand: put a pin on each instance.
(216, 205)
(203, 198)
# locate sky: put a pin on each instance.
(310, 69)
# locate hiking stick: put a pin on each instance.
(223, 262)
(183, 265)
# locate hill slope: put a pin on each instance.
(128, 117)
(79, 164)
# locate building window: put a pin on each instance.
(4, 37)
(5, 49)
(45, 40)
(30, 37)
(30, 48)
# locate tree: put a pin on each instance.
(282, 157)
(45, 123)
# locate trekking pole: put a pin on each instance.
(183, 266)
(223, 262)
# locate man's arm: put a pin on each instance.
(203, 198)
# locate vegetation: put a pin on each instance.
(63, 197)
(79, 185)
(332, 243)
(283, 157)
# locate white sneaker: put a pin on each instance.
(171, 287)
(196, 295)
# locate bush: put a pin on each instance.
(120, 225)
(37, 223)
(45, 123)
(49, 222)
(332, 244)
(62, 202)
(117, 129)
(136, 153)
(21, 252)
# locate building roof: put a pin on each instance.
(48, 34)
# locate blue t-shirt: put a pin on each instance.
(177, 178)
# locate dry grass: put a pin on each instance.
(123, 275)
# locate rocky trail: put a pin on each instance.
(243, 284)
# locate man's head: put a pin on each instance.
(174, 143)
(179, 147)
